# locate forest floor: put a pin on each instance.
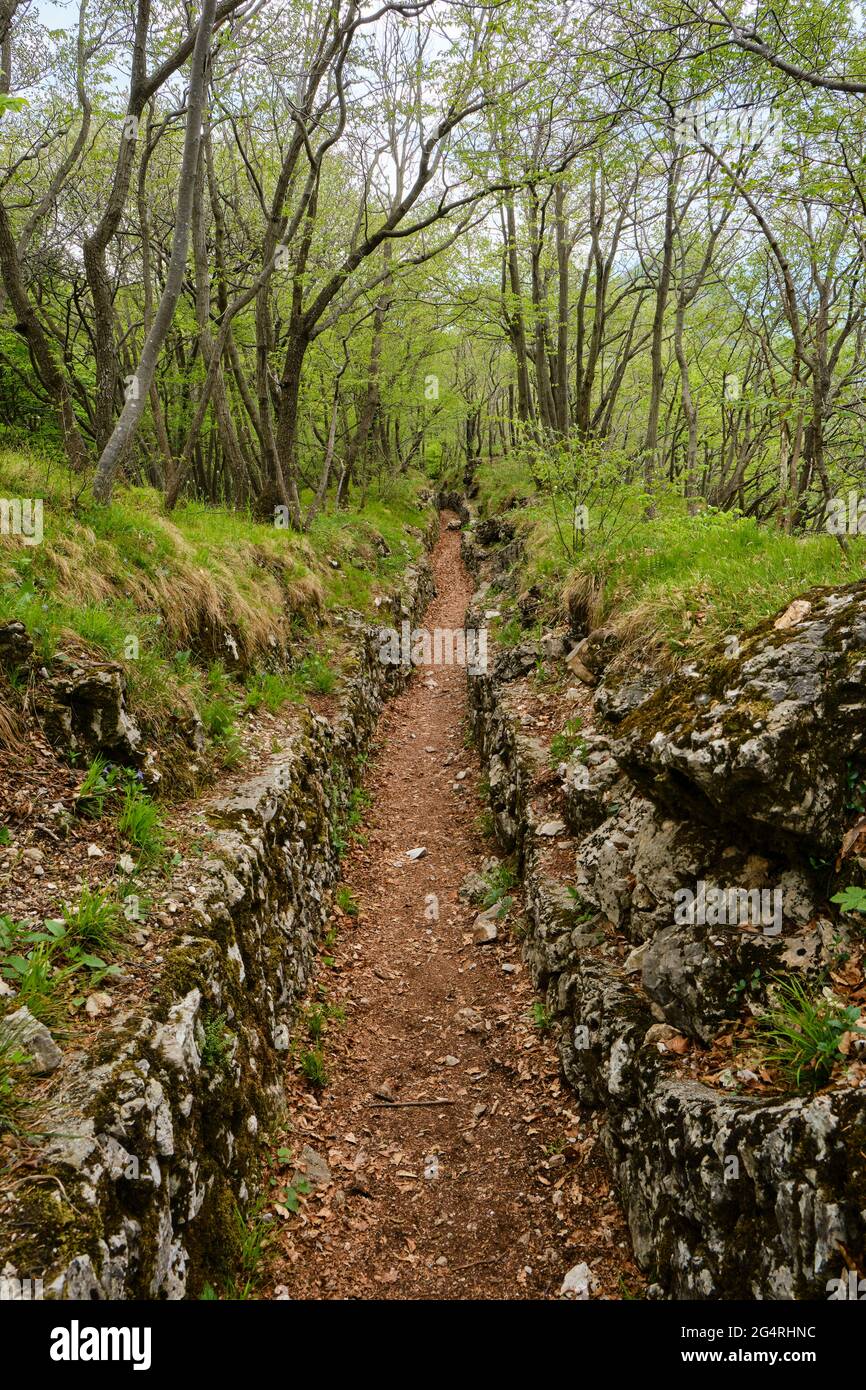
(446, 1158)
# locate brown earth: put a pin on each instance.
(499, 1187)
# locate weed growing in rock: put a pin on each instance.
(498, 879)
(42, 962)
(851, 901)
(563, 745)
(29, 967)
(750, 985)
(252, 1230)
(803, 1035)
(216, 1048)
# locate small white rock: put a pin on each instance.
(578, 1283)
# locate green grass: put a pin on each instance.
(94, 922)
(801, 1033)
(682, 581)
(315, 675)
(159, 594)
(563, 745)
(140, 823)
(269, 689)
(313, 1068)
(96, 788)
(11, 1100)
(345, 900)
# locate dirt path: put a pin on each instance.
(500, 1191)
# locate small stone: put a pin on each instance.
(313, 1168)
(96, 1004)
(578, 1283)
(416, 853)
(551, 828)
(431, 1167)
(793, 614)
(666, 1038)
(484, 928)
(32, 855)
(554, 645)
(577, 668)
(25, 1032)
(470, 1020)
(126, 864)
(94, 852)
(634, 959)
(459, 776)
(509, 969)
(659, 1032)
(451, 1061)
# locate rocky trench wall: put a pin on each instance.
(156, 1140)
(726, 1197)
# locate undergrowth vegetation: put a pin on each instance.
(673, 584)
(208, 611)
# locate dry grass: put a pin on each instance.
(10, 728)
(583, 597)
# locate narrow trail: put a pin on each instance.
(499, 1191)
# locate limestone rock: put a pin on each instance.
(24, 1032)
(767, 737)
